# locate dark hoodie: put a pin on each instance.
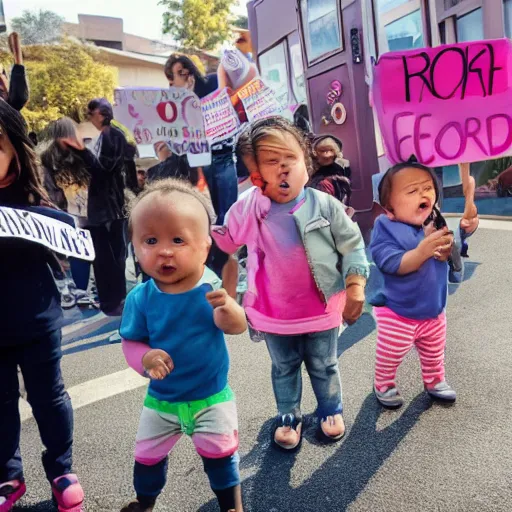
(30, 305)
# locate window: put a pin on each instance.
(322, 27)
(298, 76)
(274, 72)
(405, 33)
(399, 25)
(442, 32)
(389, 5)
(507, 6)
(470, 27)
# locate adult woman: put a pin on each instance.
(221, 174)
(66, 179)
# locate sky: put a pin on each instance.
(142, 18)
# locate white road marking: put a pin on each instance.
(489, 223)
(95, 390)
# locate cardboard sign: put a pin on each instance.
(172, 115)
(259, 100)
(446, 105)
(54, 234)
(220, 118)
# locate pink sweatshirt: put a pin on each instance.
(282, 297)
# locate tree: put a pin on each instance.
(241, 21)
(38, 27)
(63, 79)
(201, 24)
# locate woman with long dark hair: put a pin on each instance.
(30, 337)
(66, 179)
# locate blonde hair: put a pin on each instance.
(165, 187)
(327, 141)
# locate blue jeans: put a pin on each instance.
(39, 360)
(222, 183)
(318, 350)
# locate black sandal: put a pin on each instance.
(287, 420)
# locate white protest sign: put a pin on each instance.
(259, 100)
(54, 234)
(220, 118)
(171, 115)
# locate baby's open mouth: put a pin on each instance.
(424, 205)
(168, 268)
(284, 185)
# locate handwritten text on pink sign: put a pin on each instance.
(446, 105)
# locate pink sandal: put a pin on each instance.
(10, 493)
(68, 493)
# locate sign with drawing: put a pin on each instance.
(446, 105)
(53, 234)
(172, 115)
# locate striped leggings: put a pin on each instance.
(395, 337)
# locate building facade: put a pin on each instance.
(322, 52)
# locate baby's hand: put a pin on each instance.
(217, 298)
(158, 363)
(436, 244)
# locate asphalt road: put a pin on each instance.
(422, 458)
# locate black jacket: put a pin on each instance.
(18, 88)
(30, 305)
(106, 189)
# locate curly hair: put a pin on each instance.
(165, 187)
(66, 167)
(24, 165)
(249, 138)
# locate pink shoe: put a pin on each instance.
(10, 493)
(68, 493)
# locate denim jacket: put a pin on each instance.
(333, 242)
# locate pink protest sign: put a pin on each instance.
(446, 105)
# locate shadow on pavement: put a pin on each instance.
(354, 333)
(338, 481)
(469, 270)
(43, 506)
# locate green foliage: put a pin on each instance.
(63, 79)
(38, 27)
(241, 21)
(201, 24)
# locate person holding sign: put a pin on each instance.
(412, 247)
(298, 293)
(30, 337)
(173, 329)
(15, 89)
(221, 174)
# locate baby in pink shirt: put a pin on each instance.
(303, 253)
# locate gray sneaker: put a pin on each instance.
(390, 398)
(442, 391)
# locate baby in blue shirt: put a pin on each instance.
(412, 247)
(173, 332)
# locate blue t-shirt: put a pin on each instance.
(182, 325)
(419, 295)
